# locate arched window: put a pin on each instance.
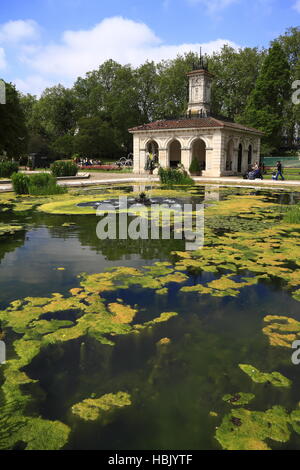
(174, 153)
(199, 152)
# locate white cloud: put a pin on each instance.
(2, 59)
(117, 38)
(33, 84)
(296, 6)
(19, 30)
(213, 6)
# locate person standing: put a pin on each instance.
(279, 171)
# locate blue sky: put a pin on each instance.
(44, 42)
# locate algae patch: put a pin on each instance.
(103, 408)
(238, 399)
(249, 430)
(274, 378)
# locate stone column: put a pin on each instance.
(186, 156)
(245, 159)
(235, 158)
(142, 161)
(215, 156)
(163, 157)
(256, 151)
(136, 153)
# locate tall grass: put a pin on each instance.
(41, 184)
(64, 168)
(169, 176)
(292, 215)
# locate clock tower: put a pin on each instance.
(199, 89)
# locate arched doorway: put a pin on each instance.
(249, 155)
(152, 147)
(240, 158)
(199, 153)
(174, 153)
(229, 155)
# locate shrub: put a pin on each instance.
(195, 168)
(7, 168)
(41, 184)
(64, 168)
(168, 176)
(20, 183)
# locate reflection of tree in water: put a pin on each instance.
(147, 249)
(85, 230)
(10, 243)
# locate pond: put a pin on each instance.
(140, 344)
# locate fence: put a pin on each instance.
(287, 162)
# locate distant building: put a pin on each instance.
(223, 148)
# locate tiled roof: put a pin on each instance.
(196, 123)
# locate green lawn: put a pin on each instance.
(293, 175)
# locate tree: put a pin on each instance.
(50, 121)
(56, 111)
(96, 139)
(235, 73)
(13, 131)
(266, 104)
(148, 90)
(290, 42)
(172, 98)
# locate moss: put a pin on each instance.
(102, 408)
(274, 378)
(238, 399)
(249, 430)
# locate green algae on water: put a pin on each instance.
(274, 378)
(103, 408)
(238, 399)
(249, 430)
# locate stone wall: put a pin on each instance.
(216, 143)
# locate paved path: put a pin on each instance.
(114, 178)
